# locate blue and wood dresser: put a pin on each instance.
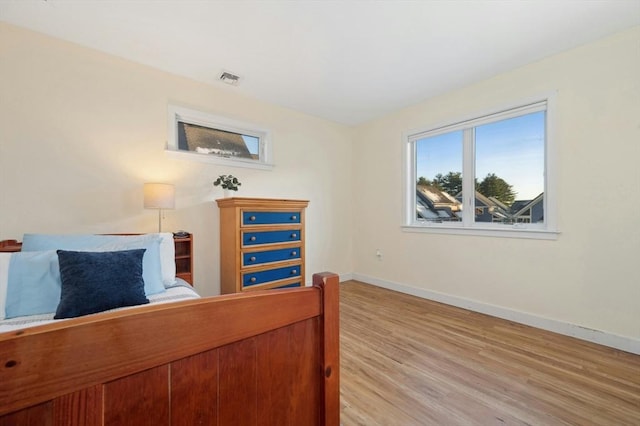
(261, 244)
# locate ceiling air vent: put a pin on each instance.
(227, 77)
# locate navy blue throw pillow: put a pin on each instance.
(97, 281)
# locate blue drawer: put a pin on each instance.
(254, 278)
(268, 218)
(270, 237)
(259, 257)
(290, 285)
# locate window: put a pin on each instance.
(488, 175)
(198, 136)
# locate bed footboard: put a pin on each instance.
(269, 357)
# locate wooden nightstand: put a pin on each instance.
(184, 257)
(261, 244)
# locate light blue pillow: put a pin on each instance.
(33, 284)
(151, 269)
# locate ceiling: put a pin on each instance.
(348, 61)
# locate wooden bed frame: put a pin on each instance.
(267, 357)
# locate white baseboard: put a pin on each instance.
(627, 344)
(346, 277)
(343, 277)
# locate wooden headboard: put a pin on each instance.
(10, 246)
(183, 254)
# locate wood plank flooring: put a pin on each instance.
(410, 361)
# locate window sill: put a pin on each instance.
(536, 234)
(212, 159)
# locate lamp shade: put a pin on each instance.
(159, 196)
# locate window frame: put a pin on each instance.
(468, 225)
(189, 116)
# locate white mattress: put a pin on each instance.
(181, 291)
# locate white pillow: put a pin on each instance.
(167, 259)
(5, 258)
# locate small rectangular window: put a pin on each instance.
(217, 140)
(487, 173)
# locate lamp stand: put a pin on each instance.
(159, 220)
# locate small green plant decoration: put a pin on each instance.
(229, 182)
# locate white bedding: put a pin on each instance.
(180, 291)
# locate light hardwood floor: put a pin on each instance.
(409, 361)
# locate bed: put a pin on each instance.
(268, 357)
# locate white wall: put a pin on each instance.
(590, 276)
(81, 131)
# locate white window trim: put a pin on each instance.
(200, 118)
(546, 231)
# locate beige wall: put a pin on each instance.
(590, 276)
(80, 131)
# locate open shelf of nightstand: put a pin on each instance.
(184, 257)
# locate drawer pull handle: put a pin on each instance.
(293, 272)
(294, 235)
(252, 279)
(294, 217)
(294, 253)
(252, 218)
(252, 259)
(253, 238)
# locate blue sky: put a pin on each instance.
(513, 149)
(252, 143)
